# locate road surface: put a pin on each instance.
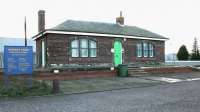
(175, 97)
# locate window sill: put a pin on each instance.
(83, 57)
(145, 58)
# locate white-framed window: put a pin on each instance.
(145, 50)
(93, 48)
(83, 48)
(139, 50)
(151, 50)
(75, 48)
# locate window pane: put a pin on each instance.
(139, 50)
(145, 49)
(84, 52)
(93, 44)
(150, 47)
(84, 43)
(151, 50)
(145, 46)
(93, 52)
(75, 53)
(74, 44)
(151, 54)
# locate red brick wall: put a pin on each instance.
(67, 75)
(130, 51)
(166, 70)
(58, 50)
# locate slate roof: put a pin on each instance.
(105, 28)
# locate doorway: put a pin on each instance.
(117, 53)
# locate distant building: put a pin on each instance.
(95, 43)
(171, 57)
(7, 41)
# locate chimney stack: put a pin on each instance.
(120, 19)
(41, 20)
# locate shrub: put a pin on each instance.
(183, 53)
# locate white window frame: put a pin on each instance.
(92, 48)
(88, 47)
(151, 50)
(145, 49)
(83, 48)
(75, 48)
(139, 50)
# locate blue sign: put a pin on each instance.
(18, 60)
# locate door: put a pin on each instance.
(117, 53)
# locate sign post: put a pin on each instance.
(18, 60)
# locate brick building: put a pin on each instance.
(96, 44)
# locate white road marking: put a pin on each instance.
(194, 79)
(165, 79)
(172, 80)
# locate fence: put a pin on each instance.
(183, 63)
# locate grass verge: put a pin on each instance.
(19, 88)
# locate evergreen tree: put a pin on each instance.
(195, 51)
(198, 55)
(182, 53)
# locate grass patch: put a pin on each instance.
(22, 88)
(101, 84)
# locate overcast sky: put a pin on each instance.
(178, 20)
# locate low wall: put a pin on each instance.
(70, 75)
(166, 70)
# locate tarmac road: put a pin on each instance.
(176, 97)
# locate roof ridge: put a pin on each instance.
(90, 21)
(105, 28)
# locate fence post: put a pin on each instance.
(56, 84)
(56, 88)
